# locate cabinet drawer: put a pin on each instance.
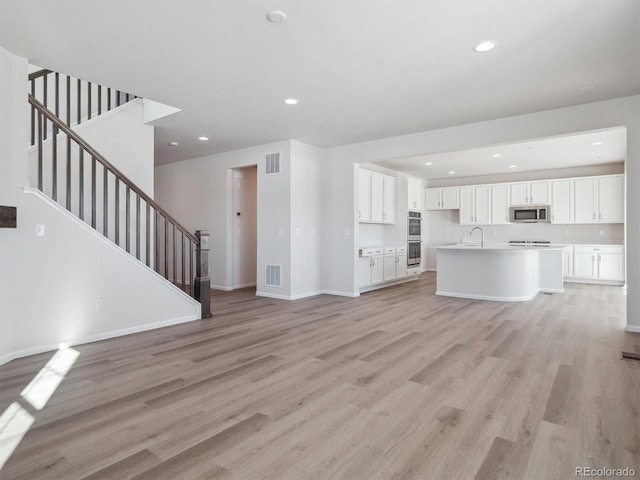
(366, 252)
(402, 249)
(389, 250)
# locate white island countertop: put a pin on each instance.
(498, 246)
(499, 272)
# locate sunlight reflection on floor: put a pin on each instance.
(16, 420)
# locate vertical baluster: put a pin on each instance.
(184, 283)
(79, 93)
(138, 226)
(117, 98)
(57, 95)
(81, 182)
(117, 211)
(166, 246)
(108, 99)
(40, 173)
(33, 114)
(147, 245)
(99, 99)
(68, 101)
(191, 265)
(126, 98)
(156, 241)
(127, 214)
(54, 163)
(88, 100)
(105, 202)
(44, 80)
(68, 179)
(173, 244)
(93, 191)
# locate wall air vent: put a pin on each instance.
(273, 276)
(272, 163)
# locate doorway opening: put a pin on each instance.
(244, 227)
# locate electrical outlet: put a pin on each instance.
(280, 231)
(39, 230)
(99, 304)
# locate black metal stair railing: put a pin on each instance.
(104, 197)
(71, 99)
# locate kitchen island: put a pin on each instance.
(499, 272)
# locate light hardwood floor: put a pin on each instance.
(396, 384)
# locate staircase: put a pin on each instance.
(76, 176)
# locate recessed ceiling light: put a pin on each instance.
(291, 101)
(532, 148)
(276, 16)
(596, 143)
(451, 172)
(485, 46)
(358, 132)
(204, 139)
(496, 155)
(587, 87)
(173, 144)
(428, 163)
(512, 166)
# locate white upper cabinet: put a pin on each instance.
(599, 199)
(414, 194)
(364, 196)
(530, 193)
(376, 197)
(611, 199)
(389, 202)
(500, 204)
(539, 193)
(562, 201)
(475, 205)
(442, 198)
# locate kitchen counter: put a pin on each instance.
(499, 272)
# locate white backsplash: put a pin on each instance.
(442, 228)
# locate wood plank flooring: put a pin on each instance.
(396, 384)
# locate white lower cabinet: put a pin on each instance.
(377, 265)
(604, 262)
(567, 262)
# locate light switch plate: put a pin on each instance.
(280, 231)
(39, 230)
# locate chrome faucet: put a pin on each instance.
(482, 232)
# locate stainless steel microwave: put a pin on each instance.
(530, 214)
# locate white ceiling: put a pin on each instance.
(540, 154)
(362, 69)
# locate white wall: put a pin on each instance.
(244, 213)
(340, 268)
(13, 172)
(306, 219)
(49, 285)
(198, 192)
(442, 227)
(57, 278)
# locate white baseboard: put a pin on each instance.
(277, 296)
(552, 290)
(244, 285)
(430, 270)
(220, 287)
(486, 297)
(594, 281)
(96, 338)
(307, 294)
(341, 294)
(632, 328)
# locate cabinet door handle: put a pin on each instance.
(599, 216)
(370, 261)
(373, 262)
(594, 216)
(359, 214)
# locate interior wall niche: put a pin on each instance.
(8, 217)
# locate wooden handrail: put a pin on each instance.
(108, 165)
(39, 73)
